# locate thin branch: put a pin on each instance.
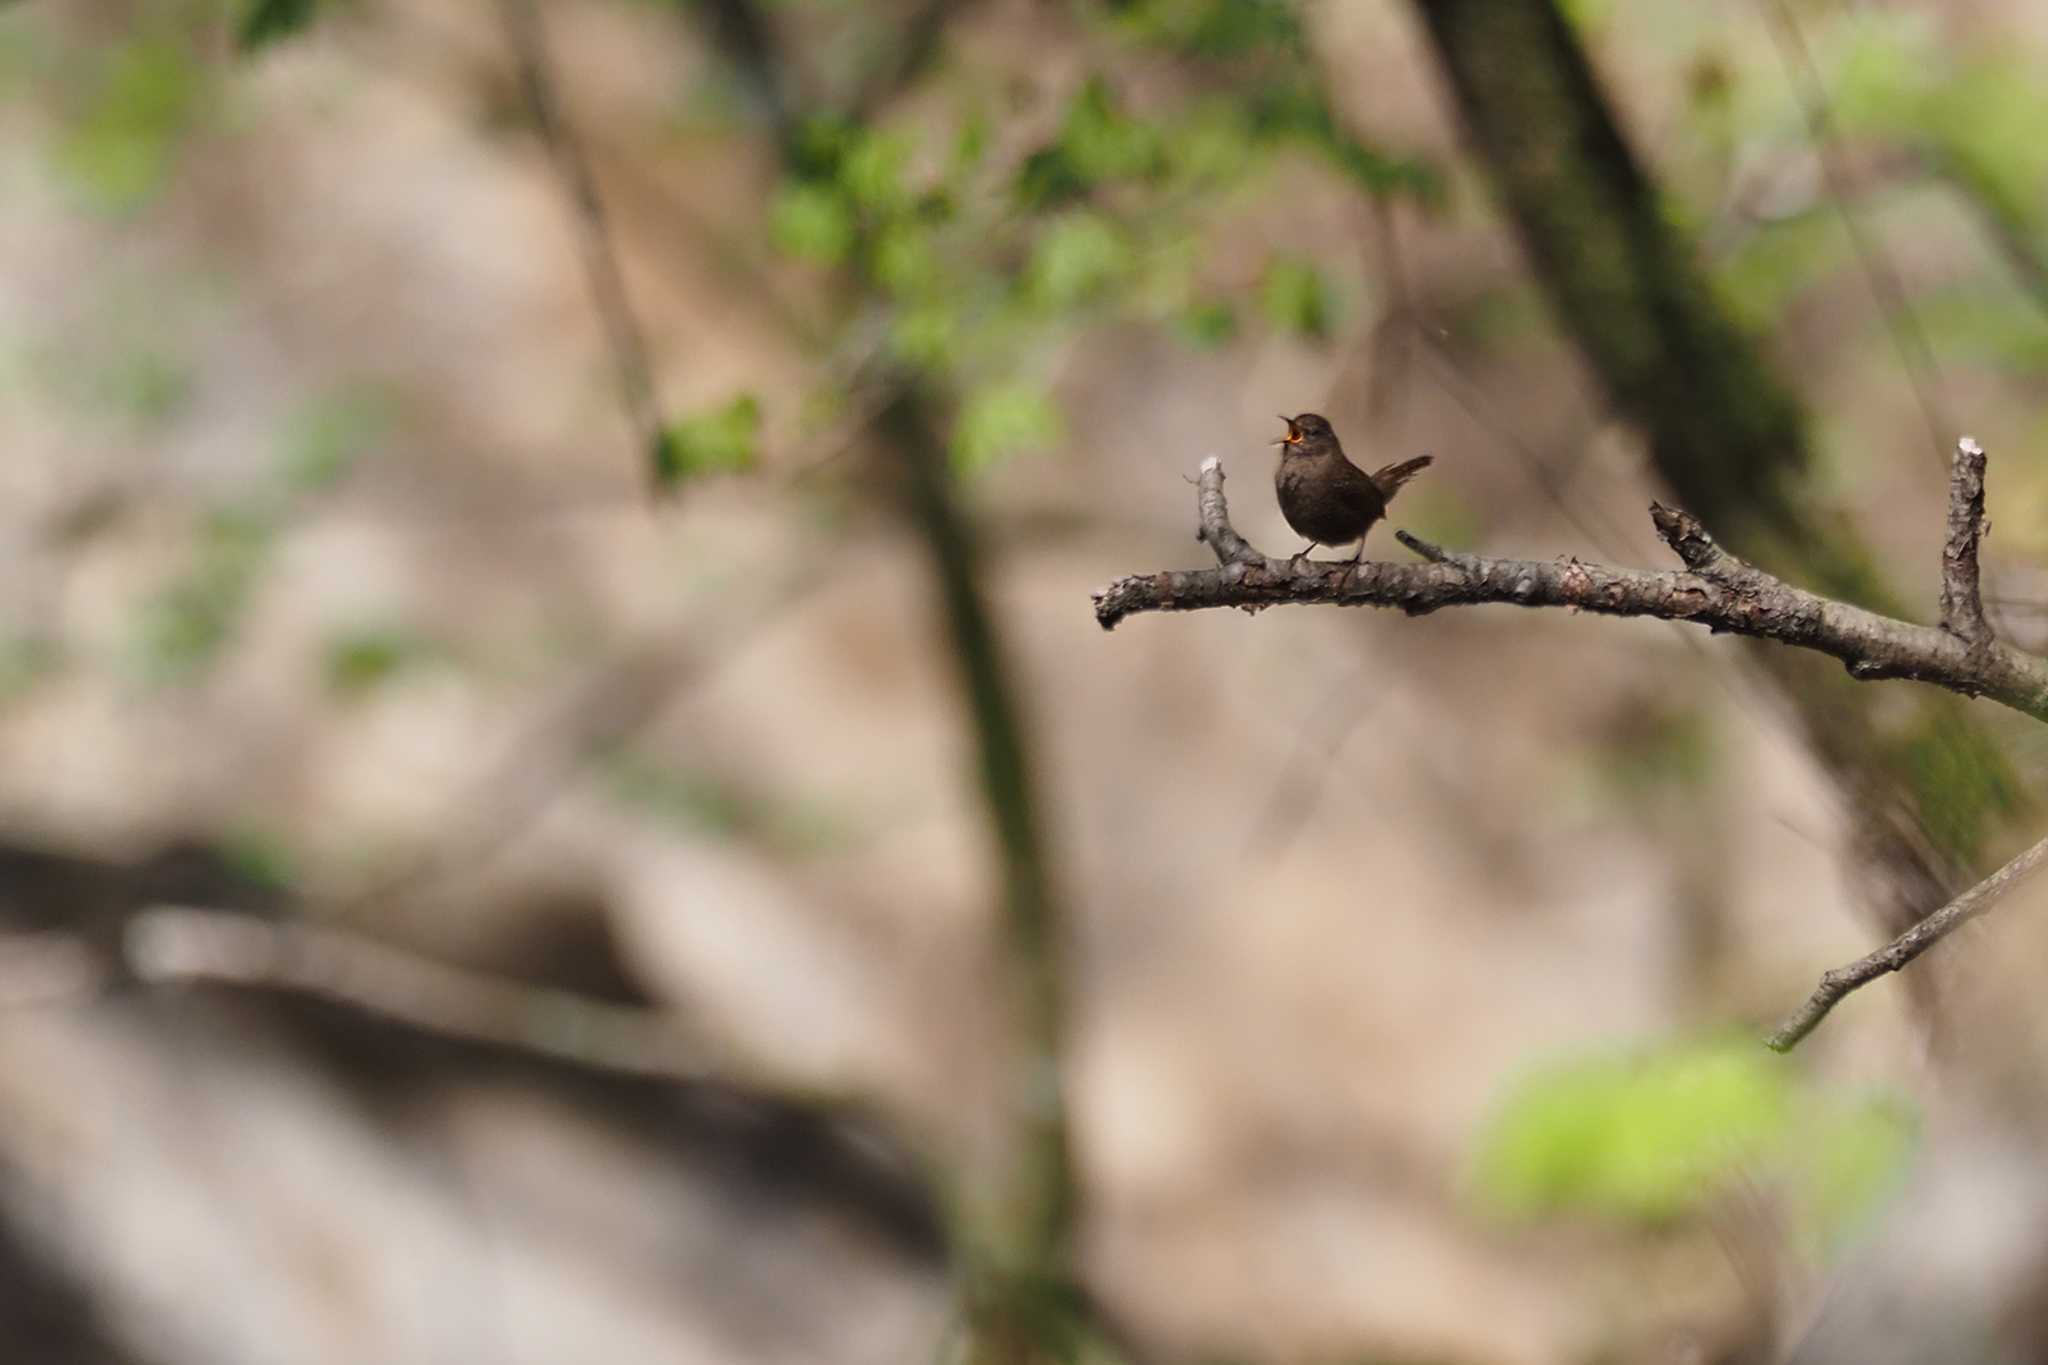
(1894, 955)
(171, 944)
(1716, 590)
(593, 232)
(1962, 605)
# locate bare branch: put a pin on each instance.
(1716, 590)
(1962, 608)
(1894, 955)
(183, 944)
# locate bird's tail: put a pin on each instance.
(1393, 476)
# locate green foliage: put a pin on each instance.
(870, 170)
(982, 261)
(266, 21)
(1097, 144)
(721, 440)
(925, 336)
(144, 96)
(186, 625)
(1102, 141)
(1296, 298)
(905, 259)
(1654, 1136)
(1214, 29)
(1210, 146)
(1209, 324)
(812, 222)
(140, 381)
(330, 433)
(1639, 1137)
(359, 661)
(1079, 255)
(970, 144)
(1001, 420)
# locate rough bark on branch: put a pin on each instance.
(1716, 590)
(1962, 605)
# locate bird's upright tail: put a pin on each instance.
(1393, 476)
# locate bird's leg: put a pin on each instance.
(1303, 552)
(1359, 553)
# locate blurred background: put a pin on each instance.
(562, 799)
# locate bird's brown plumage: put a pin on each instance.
(1322, 494)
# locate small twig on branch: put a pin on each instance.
(1716, 590)
(1962, 608)
(1894, 955)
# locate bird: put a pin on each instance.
(1326, 497)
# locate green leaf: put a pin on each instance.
(1296, 298)
(186, 625)
(871, 171)
(145, 96)
(148, 384)
(1103, 142)
(266, 21)
(1647, 1137)
(1211, 146)
(724, 440)
(328, 434)
(1002, 420)
(970, 145)
(813, 222)
(1049, 178)
(1655, 1136)
(1078, 256)
(1216, 29)
(903, 261)
(1209, 325)
(359, 661)
(1097, 143)
(926, 335)
(820, 145)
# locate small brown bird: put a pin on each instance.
(1326, 497)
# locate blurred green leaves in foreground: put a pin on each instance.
(137, 103)
(969, 258)
(1654, 1136)
(265, 21)
(721, 440)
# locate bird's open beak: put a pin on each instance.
(1293, 436)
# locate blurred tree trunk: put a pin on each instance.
(1011, 1229)
(1927, 785)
